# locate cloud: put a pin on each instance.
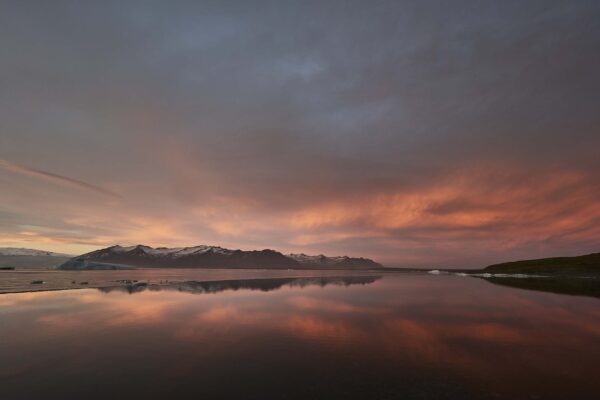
(49, 176)
(455, 135)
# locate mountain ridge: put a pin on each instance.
(21, 251)
(204, 256)
(12, 258)
(587, 263)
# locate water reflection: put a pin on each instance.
(409, 336)
(262, 284)
(576, 286)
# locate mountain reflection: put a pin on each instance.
(352, 337)
(575, 286)
(262, 284)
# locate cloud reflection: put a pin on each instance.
(446, 325)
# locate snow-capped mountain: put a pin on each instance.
(175, 252)
(341, 262)
(211, 257)
(14, 251)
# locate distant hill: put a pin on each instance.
(558, 265)
(12, 257)
(18, 251)
(209, 257)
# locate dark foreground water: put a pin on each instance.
(399, 336)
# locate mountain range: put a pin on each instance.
(13, 257)
(18, 251)
(209, 257)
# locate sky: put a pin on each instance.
(416, 133)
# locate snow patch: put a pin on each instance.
(174, 252)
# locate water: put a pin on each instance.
(339, 336)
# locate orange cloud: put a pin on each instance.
(468, 217)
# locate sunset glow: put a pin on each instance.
(410, 141)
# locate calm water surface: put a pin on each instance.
(399, 336)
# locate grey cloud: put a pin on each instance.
(285, 105)
(21, 169)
